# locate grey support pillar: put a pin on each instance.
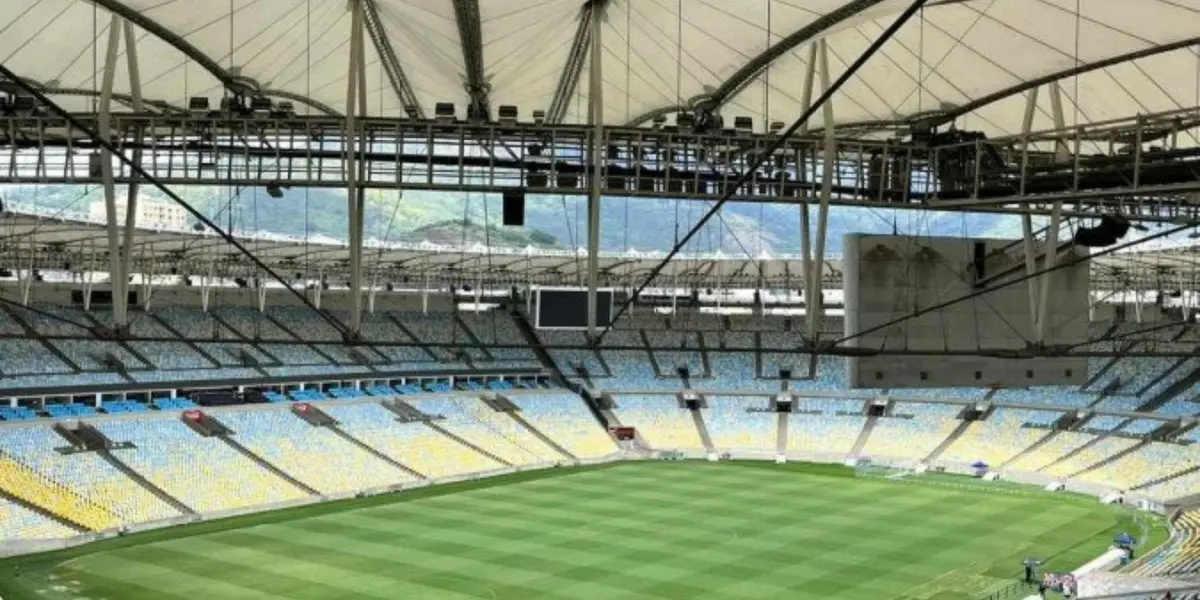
(1062, 153)
(355, 99)
(131, 199)
(1051, 259)
(828, 159)
(596, 113)
(1061, 149)
(104, 121)
(810, 71)
(1026, 217)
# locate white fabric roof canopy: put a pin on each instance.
(657, 53)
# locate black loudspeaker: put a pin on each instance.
(1110, 229)
(514, 208)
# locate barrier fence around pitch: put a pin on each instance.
(1015, 588)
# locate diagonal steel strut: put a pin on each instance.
(568, 78)
(391, 64)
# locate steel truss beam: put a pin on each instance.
(568, 79)
(391, 63)
(470, 36)
(305, 152)
(138, 172)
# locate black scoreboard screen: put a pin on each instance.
(567, 309)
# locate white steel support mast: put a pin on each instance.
(1051, 247)
(120, 250)
(828, 159)
(810, 71)
(1026, 218)
(356, 101)
(596, 118)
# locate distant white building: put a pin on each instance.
(150, 214)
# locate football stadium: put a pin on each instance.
(599, 299)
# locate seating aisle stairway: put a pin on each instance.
(660, 421)
(204, 473)
(411, 443)
(565, 419)
(313, 455)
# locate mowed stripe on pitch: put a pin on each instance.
(652, 530)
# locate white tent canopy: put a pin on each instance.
(657, 54)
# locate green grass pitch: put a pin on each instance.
(629, 531)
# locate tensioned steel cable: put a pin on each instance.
(762, 158)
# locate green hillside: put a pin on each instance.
(626, 223)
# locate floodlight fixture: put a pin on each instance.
(444, 112)
(507, 115)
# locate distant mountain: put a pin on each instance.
(454, 233)
(644, 224)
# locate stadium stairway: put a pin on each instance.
(650, 355)
(49, 514)
(1032, 447)
(1156, 481)
(1115, 457)
(250, 454)
(758, 358)
(610, 417)
(539, 349)
(1184, 384)
(85, 438)
(127, 347)
(146, 484)
(160, 322)
(404, 410)
(702, 348)
(34, 335)
(608, 372)
(950, 439)
(443, 431)
(473, 339)
(408, 332)
(342, 433)
(702, 429)
(1067, 456)
(781, 433)
(863, 436)
(23, 485)
(516, 416)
